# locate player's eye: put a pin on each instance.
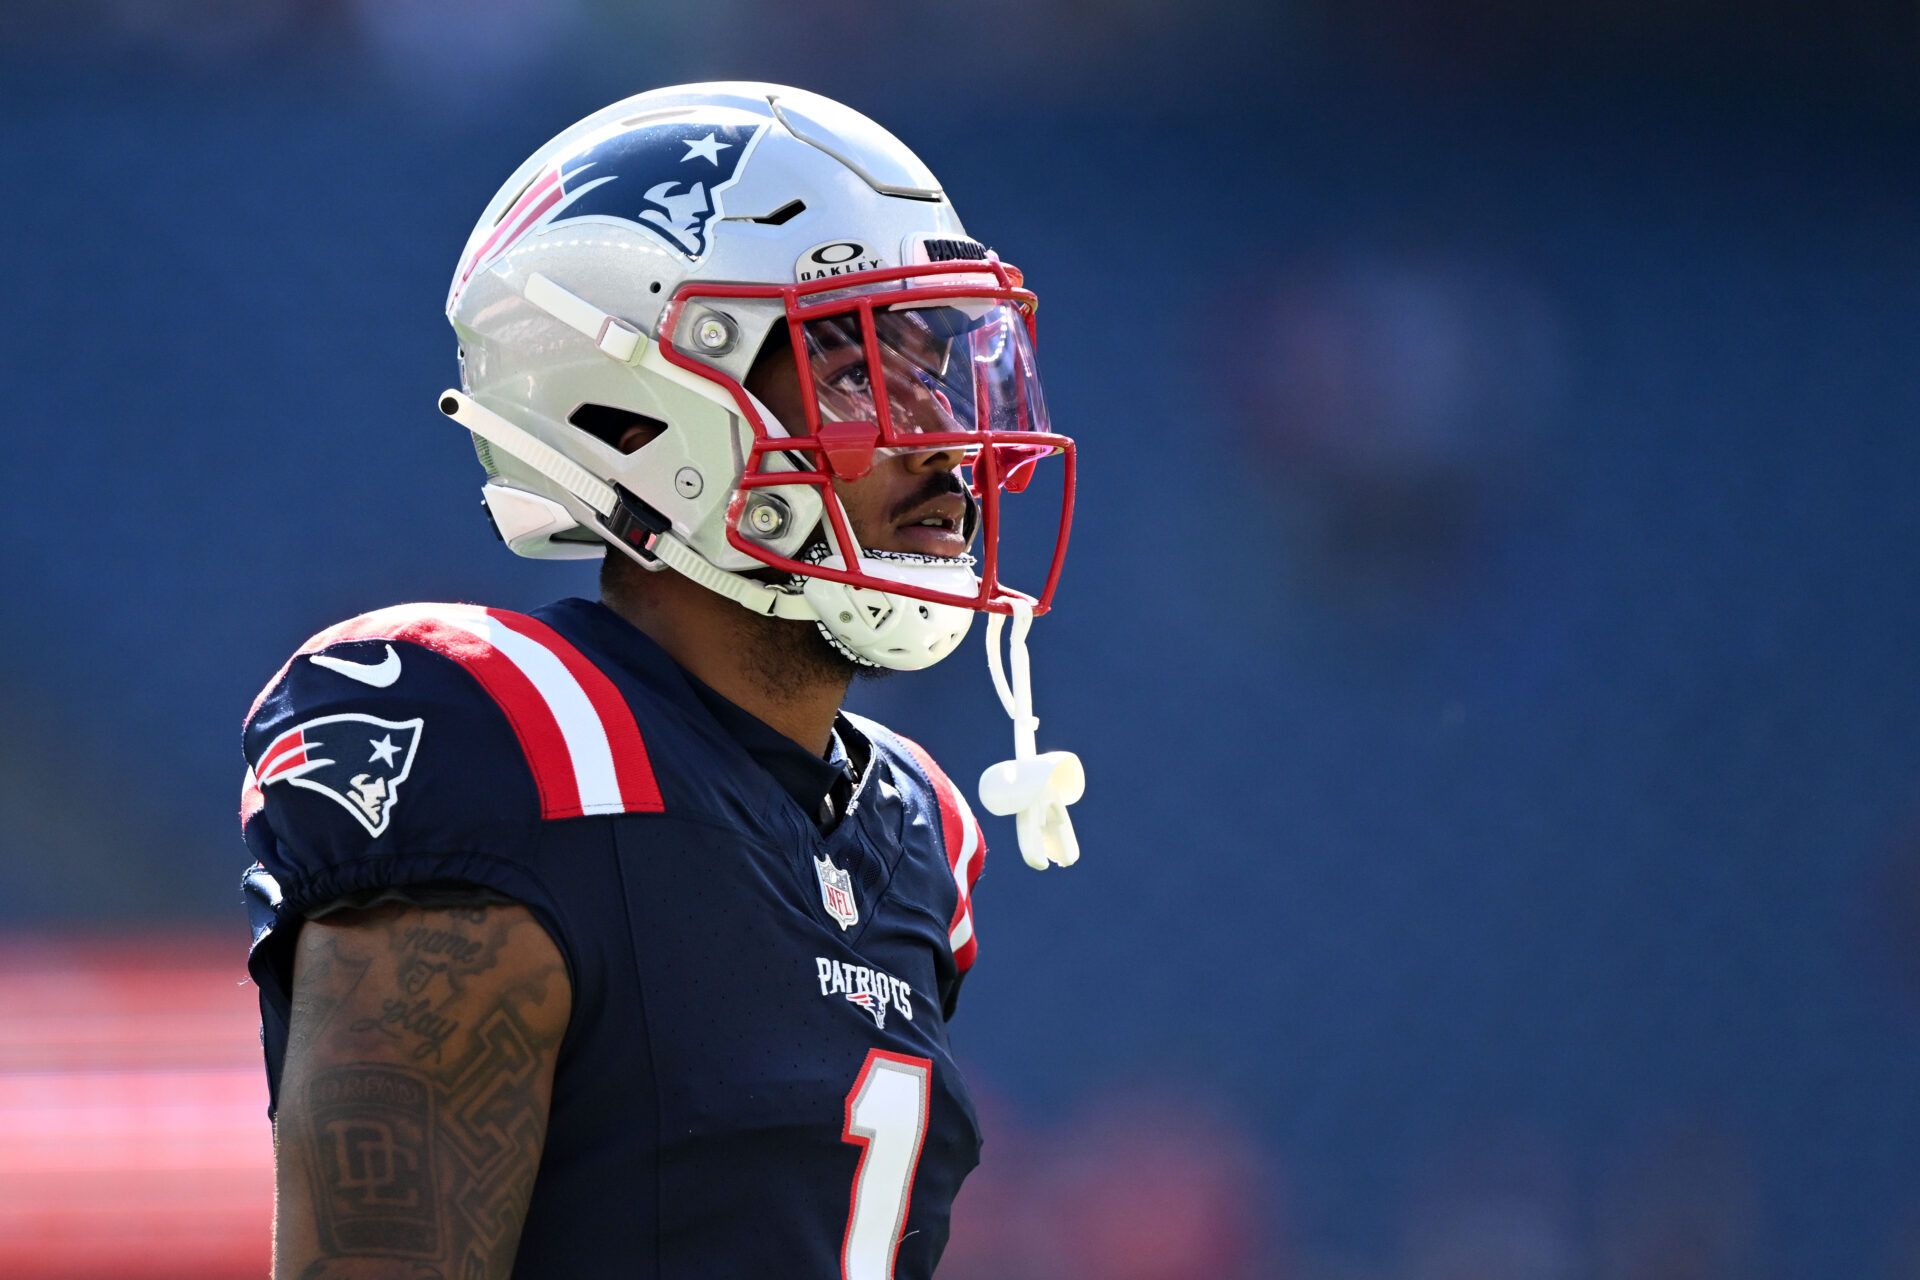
(851, 378)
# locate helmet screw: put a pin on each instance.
(713, 333)
(766, 516)
(687, 482)
(845, 616)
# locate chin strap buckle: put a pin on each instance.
(1034, 787)
(636, 523)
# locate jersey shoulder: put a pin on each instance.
(928, 792)
(432, 730)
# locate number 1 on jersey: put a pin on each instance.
(887, 1119)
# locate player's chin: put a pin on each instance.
(828, 656)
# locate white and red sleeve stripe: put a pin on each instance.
(966, 853)
(581, 742)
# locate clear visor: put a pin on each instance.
(940, 368)
(906, 360)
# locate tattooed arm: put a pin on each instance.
(413, 1103)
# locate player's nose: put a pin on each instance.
(922, 461)
(921, 406)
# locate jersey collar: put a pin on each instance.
(808, 778)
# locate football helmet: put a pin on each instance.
(636, 267)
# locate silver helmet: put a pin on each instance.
(641, 260)
(640, 263)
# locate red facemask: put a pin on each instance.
(914, 359)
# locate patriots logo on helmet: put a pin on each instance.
(667, 178)
(664, 177)
(357, 761)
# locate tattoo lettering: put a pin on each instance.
(426, 954)
(425, 1102)
(371, 1137)
(420, 1018)
(457, 947)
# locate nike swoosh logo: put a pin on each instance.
(378, 674)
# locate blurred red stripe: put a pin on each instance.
(133, 1132)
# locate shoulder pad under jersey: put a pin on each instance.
(962, 843)
(429, 742)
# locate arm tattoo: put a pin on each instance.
(332, 977)
(370, 1137)
(421, 1110)
(382, 1269)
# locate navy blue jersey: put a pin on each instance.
(756, 1079)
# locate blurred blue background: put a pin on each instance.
(1489, 626)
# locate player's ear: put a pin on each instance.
(621, 428)
(638, 435)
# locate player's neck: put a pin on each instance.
(771, 669)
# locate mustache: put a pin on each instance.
(938, 484)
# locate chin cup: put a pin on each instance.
(882, 629)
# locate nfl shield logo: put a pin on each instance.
(836, 893)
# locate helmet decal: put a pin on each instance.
(675, 234)
(836, 258)
(665, 178)
(907, 337)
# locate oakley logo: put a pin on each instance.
(832, 255)
(835, 258)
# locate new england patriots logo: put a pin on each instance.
(866, 1000)
(356, 761)
(665, 177)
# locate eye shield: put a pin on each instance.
(900, 359)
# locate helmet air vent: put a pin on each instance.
(882, 160)
(782, 216)
(613, 426)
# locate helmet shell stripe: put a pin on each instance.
(540, 197)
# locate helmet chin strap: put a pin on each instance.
(1034, 787)
(516, 441)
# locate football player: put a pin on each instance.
(600, 941)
